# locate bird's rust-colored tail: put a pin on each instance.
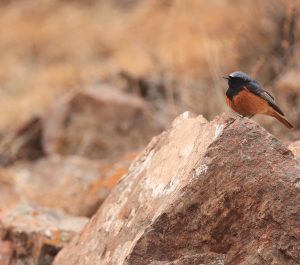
(281, 119)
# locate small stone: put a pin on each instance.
(32, 233)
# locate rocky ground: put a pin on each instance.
(58, 168)
(219, 192)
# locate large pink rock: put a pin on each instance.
(226, 190)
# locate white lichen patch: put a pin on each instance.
(136, 169)
(157, 188)
(167, 171)
(184, 116)
(112, 223)
(118, 224)
(297, 184)
(173, 184)
(111, 211)
(218, 130)
(186, 151)
(141, 197)
(202, 169)
(199, 171)
(220, 261)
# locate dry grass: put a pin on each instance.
(180, 49)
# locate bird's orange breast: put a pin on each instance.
(247, 104)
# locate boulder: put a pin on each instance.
(34, 235)
(100, 123)
(74, 184)
(225, 190)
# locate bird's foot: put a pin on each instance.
(243, 116)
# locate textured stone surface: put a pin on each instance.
(33, 235)
(6, 251)
(198, 259)
(62, 182)
(221, 188)
(98, 123)
(295, 148)
(8, 195)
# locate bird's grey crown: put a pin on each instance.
(241, 75)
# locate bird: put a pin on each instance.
(247, 97)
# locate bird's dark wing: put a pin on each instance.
(257, 89)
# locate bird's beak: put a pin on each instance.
(227, 78)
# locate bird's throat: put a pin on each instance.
(233, 90)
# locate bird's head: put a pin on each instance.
(238, 78)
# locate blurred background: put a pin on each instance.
(172, 53)
(86, 84)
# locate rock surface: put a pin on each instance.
(98, 123)
(6, 252)
(295, 148)
(202, 259)
(34, 235)
(62, 182)
(224, 190)
(9, 197)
